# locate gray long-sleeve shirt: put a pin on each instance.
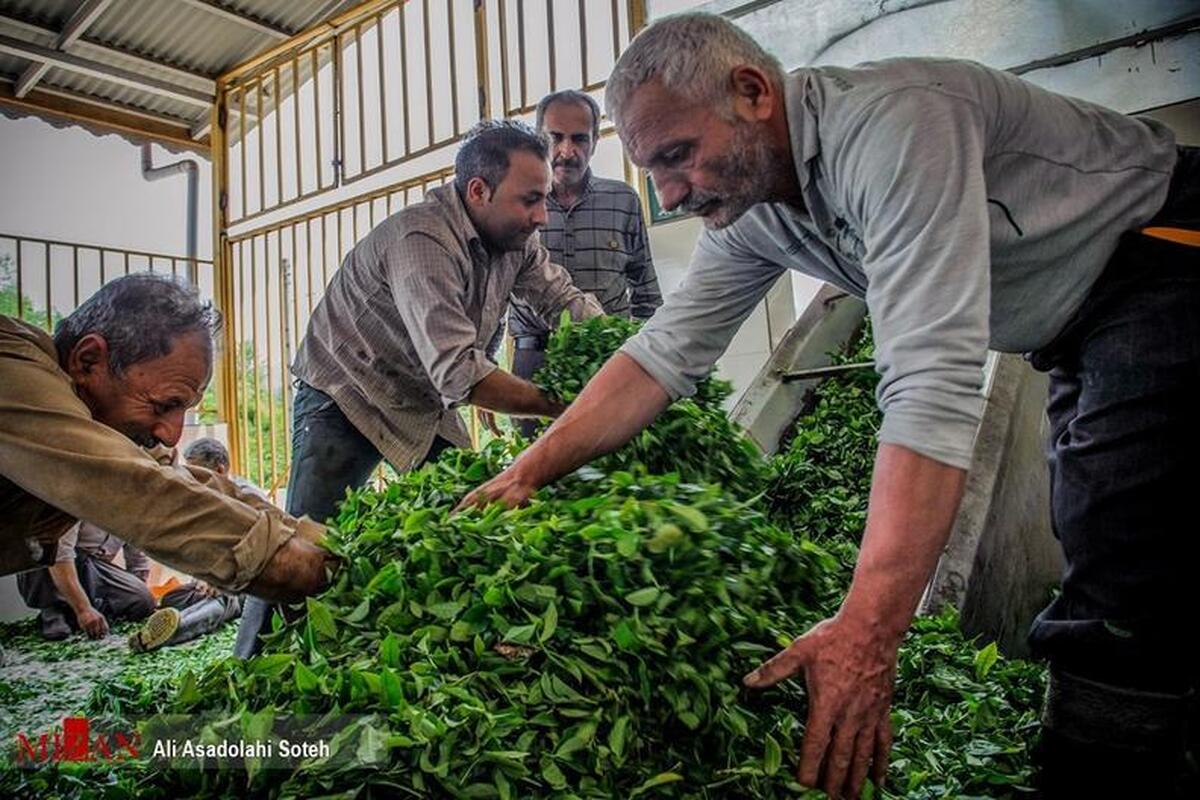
(969, 207)
(399, 338)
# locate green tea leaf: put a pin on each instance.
(643, 597)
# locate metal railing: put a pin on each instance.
(394, 80)
(373, 89)
(45, 279)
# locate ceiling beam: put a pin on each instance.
(84, 16)
(95, 69)
(106, 116)
(256, 25)
(105, 54)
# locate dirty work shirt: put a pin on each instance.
(58, 465)
(969, 207)
(601, 241)
(86, 538)
(399, 339)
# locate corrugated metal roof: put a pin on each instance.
(53, 12)
(121, 95)
(178, 34)
(180, 46)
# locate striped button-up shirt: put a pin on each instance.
(398, 341)
(86, 538)
(601, 241)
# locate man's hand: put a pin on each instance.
(508, 394)
(618, 402)
(849, 662)
(506, 488)
(850, 674)
(207, 590)
(92, 622)
(296, 571)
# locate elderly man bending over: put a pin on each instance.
(75, 410)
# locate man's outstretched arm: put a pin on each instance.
(618, 402)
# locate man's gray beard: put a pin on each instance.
(746, 170)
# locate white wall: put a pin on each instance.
(72, 185)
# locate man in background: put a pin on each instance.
(85, 587)
(594, 229)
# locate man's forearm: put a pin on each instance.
(913, 503)
(504, 392)
(617, 403)
(66, 580)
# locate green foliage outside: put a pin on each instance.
(30, 310)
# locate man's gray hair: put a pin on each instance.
(208, 453)
(140, 316)
(691, 55)
(569, 97)
(485, 150)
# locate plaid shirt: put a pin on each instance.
(601, 241)
(398, 341)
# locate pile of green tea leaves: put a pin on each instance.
(592, 644)
(41, 681)
(588, 645)
(692, 438)
(821, 479)
(963, 716)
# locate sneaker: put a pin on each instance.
(156, 631)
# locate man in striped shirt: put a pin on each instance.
(594, 228)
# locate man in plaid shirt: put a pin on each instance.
(594, 229)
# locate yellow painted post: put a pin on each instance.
(637, 16)
(482, 73)
(226, 372)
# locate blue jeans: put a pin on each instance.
(329, 457)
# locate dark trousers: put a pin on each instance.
(526, 361)
(329, 456)
(190, 596)
(1124, 397)
(114, 592)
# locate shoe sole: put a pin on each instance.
(157, 630)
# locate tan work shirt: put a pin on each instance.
(58, 465)
(400, 337)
